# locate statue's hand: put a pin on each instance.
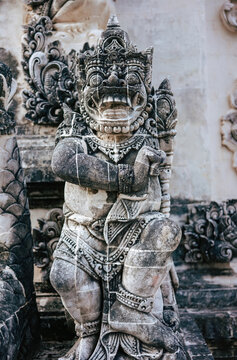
(146, 163)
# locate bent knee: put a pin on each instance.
(62, 276)
(161, 234)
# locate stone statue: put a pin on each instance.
(112, 265)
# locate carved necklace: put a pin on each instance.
(116, 151)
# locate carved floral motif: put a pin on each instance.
(211, 234)
(228, 15)
(45, 240)
(229, 129)
(50, 74)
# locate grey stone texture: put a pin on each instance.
(211, 232)
(196, 47)
(18, 319)
(45, 240)
(112, 265)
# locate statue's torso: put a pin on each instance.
(96, 204)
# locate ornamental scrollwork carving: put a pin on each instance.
(49, 73)
(229, 128)
(45, 239)
(53, 28)
(228, 15)
(211, 233)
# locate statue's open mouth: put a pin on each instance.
(117, 106)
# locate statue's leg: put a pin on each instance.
(81, 296)
(146, 266)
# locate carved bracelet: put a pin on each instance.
(134, 301)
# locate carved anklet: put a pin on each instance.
(88, 328)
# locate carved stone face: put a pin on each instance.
(114, 82)
(115, 98)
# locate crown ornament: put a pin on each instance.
(115, 47)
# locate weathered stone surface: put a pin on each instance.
(18, 321)
(193, 339)
(52, 350)
(211, 232)
(207, 293)
(116, 155)
(45, 240)
(213, 286)
(36, 153)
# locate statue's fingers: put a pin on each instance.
(156, 156)
(154, 169)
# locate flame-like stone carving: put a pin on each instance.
(112, 265)
(49, 73)
(229, 128)
(228, 15)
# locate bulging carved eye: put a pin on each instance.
(132, 79)
(95, 80)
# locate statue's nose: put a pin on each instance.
(113, 79)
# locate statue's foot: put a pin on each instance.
(143, 326)
(82, 349)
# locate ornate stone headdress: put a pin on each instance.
(115, 47)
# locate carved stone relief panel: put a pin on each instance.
(228, 15)
(229, 128)
(45, 240)
(49, 73)
(211, 233)
(17, 300)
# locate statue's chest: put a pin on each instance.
(92, 204)
(119, 152)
